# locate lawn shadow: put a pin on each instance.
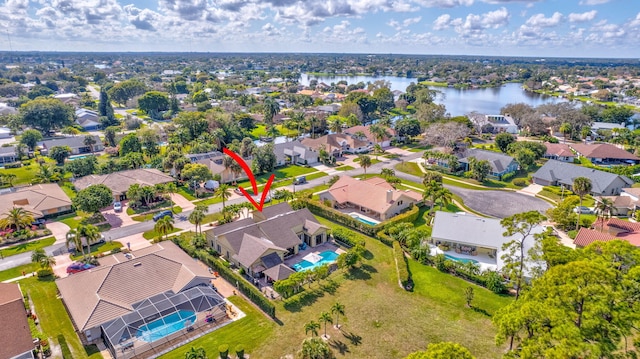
(339, 346)
(367, 255)
(21, 247)
(330, 286)
(49, 278)
(357, 273)
(297, 302)
(368, 268)
(481, 311)
(354, 338)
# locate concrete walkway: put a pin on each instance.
(531, 190)
(59, 230)
(182, 202)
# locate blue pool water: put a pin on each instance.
(355, 216)
(77, 157)
(327, 258)
(165, 326)
(462, 260)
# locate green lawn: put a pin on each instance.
(17, 271)
(416, 147)
(344, 168)
(186, 193)
(210, 201)
(26, 174)
(67, 188)
(72, 220)
(373, 160)
(98, 248)
(53, 316)
(281, 173)
(152, 234)
(411, 168)
(27, 247)
(149, 216)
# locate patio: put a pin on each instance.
(483, 259)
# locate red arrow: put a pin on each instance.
(252, 178)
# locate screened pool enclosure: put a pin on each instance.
(162, 320)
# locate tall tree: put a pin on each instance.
(46, 114)
(93, 198)
(198, 215)
(223, 192)
(503, 140)
(154, 102)
(325, 318)
(442, 350)
(164, 226)
(30, 138)
(89, 141)
(130, 143)
(16, 218)
(565, 129)
(365, 162)
(581, 187)
(312, 327)
(604, 207)
(40, 256)
(270, 109)
(337, 309)
(110, 135)
(60, 153)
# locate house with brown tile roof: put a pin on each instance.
(374, 197)
(264, 241)
(119, 182)
(337, 144)
(15, 336)
(607, 230)
(368, 136)
(559, 152)
(123, 285)
(42, 200)
(604, 153)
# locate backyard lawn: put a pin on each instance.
(53, 316)
(26, 174)
(26, 247)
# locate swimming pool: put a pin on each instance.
(462, 260)
(165, 326)
(328, 257)
(77, 157)
(355, 216)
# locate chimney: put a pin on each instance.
(389, 196)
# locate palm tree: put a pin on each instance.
(17, 218)
(223, 192)
(581, 187)
(271, 108)
(198, 215)
(8, 178)
(89, 141)
(40, 256)
(195, 353)
(365, 162)
(46, 174)
(429, 176)
(335, 125)
(444, 196)
(164, 226)
(325, 318)
(312, 327)
(379, 132)
(431, 192)
(74, 236)
(603, 210)
(387, 172)
(338, 310)
(377, 149)
(565, 128)
(171, 189)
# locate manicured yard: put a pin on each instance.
(410, 168)
(26, 174)
(149, 216)
(17, 271)
(185, 192)
(344, 168)
(53, 317)
(27, 246)
(98, 248)
(152, 234)
(281, 173)
(373, 160)
(71, 220)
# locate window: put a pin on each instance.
(399, 203)
(319, 239)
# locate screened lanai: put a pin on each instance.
(162, 318)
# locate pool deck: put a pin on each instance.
(483, 260)
(327, 246)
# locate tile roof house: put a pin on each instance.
(337, 144)
(42, 200)
(501, 164)
(121, 287)
(260, 243)
(15, 336)
(556, 173)
(607, 230)
(374, 197)
(76, 143)
(119, 182)
(214, 161)
(88, 119)
(625, 204)
(8, 154)
(368, 136)
(294, 152)
(604, 153)
(559, 152)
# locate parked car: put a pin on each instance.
(583, 210)
(117, 206)
(162, 214)
(38, 222)
(238, 191)
(79, 267)
(72, 247)
(300, 180)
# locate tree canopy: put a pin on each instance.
(46, 114)
(93, 198)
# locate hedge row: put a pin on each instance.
(219, 266)
(403, 271)
(64, 347)
(346, 237)
(385, 239)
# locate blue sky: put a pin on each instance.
(544, 28)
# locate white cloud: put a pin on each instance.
(444, 3)
(635, 22)
(539, 20)
(593, 2)
(510, 1)
(583, 17)
(442, 22)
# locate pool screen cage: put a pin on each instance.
(163, 320)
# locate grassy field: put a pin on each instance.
(53, 316)
(17, 271)
(344, 168)
(153, 234)
(411, 168)
(71, 220)
(26, 247)
(98, 248)
(26, 174)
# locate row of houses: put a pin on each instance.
(597, 153)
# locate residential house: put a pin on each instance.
(15, 336)
(556, 173)
(559, 152)
(337, 144)
(41, 200)
(214, 161)
(605, 230)
(469, 236)
(605, 126)
(625, 204)
(294, 152)
(604, 154)
(369, 137)
(68, 99)
(497, 123)
(501, 164)
(76, 143)
(119, 182)
(265, 240)
(8, 154)
(374, 197)
(120, 300)
(5, 132)
(87, 119)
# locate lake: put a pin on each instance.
(457, 102)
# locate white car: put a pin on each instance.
(117, 206)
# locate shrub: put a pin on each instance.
(42, 273)
(240, 351)
(66, 353)
(520, 182)
(401, 263)
(508, 177)
(346, 237)
(13, 165)
(224, 351)
(493, 281)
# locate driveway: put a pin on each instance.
(58, 230)
(182, 202)
(118, 219)
(499, 204)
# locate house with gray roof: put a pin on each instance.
(501, 164)
(76, 143)
(294, 152)
(119, 182)
(89, 120)
(260, 244)
(8, 154)
(556, 173)
(127, 297)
